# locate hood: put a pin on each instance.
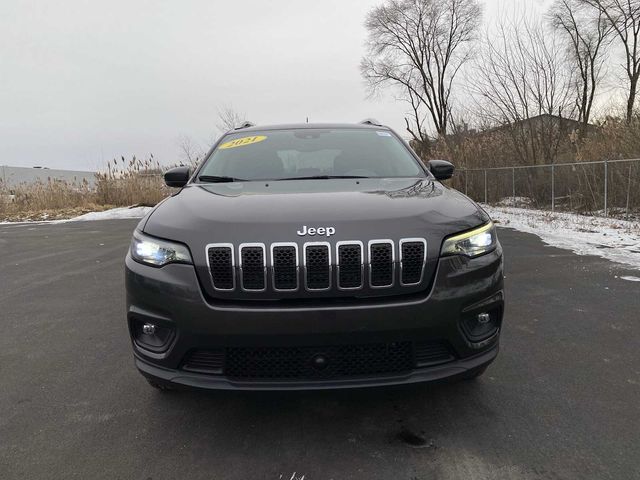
(275, 211)
(355, 209)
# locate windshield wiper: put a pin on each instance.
(323, 177)
(219, 179)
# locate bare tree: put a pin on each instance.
(192, 151)
(522, 75)
(229, 118)
(624, 18)
(419, 47)
(588, 37)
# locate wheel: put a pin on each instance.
(475, 373)
(163, 387)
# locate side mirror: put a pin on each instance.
(441, 169)
(177, 177)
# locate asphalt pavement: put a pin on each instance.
(562, 401)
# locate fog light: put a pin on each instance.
(149, 329)
(480, 326)
(156, 336)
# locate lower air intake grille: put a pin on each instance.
(432, 354)
(221, 266)
(318, 269)
(381, 259)
(204, 361)
(253, 268)
(412, 254)
(285, 267)
(311, 363)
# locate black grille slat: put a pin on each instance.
(287, 363)
(285, 269)
(221, 267)
(204, 361)
(318, 268)
(432, 353)
(253, 268)
(350, 266)
(412, 262)
(381, 264)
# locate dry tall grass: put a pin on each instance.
(124, 183)
(577, 188)
(129, 182)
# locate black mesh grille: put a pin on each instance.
(204, 361)
(221, 267)
(381, 259)
(285, 272)
(318, 268)
(252, 268)
(432, 353)
(328, 362)
(350, 262)
(412, 261)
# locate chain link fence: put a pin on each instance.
(608, 187)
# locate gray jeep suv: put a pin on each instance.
(313, 256)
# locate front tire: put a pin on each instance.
(475, 373)
(163, 387)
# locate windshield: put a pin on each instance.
(310, 152)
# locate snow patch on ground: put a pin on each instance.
(616, 240)
(113, 214)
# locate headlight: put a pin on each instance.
(156, 252)
(476, 242)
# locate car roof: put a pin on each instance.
(294, 126)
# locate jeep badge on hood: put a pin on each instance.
(328, 231)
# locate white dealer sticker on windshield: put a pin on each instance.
(384, 134)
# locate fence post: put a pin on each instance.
(626, 215)
(606, 182)
(485, 186)
(513, 186)
(553, 188)
(466, 181)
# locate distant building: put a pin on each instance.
(13, 176)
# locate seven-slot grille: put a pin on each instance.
(311, 267)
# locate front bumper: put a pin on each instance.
(172, 297)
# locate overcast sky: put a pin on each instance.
(85, 81)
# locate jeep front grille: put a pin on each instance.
(287, 267)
